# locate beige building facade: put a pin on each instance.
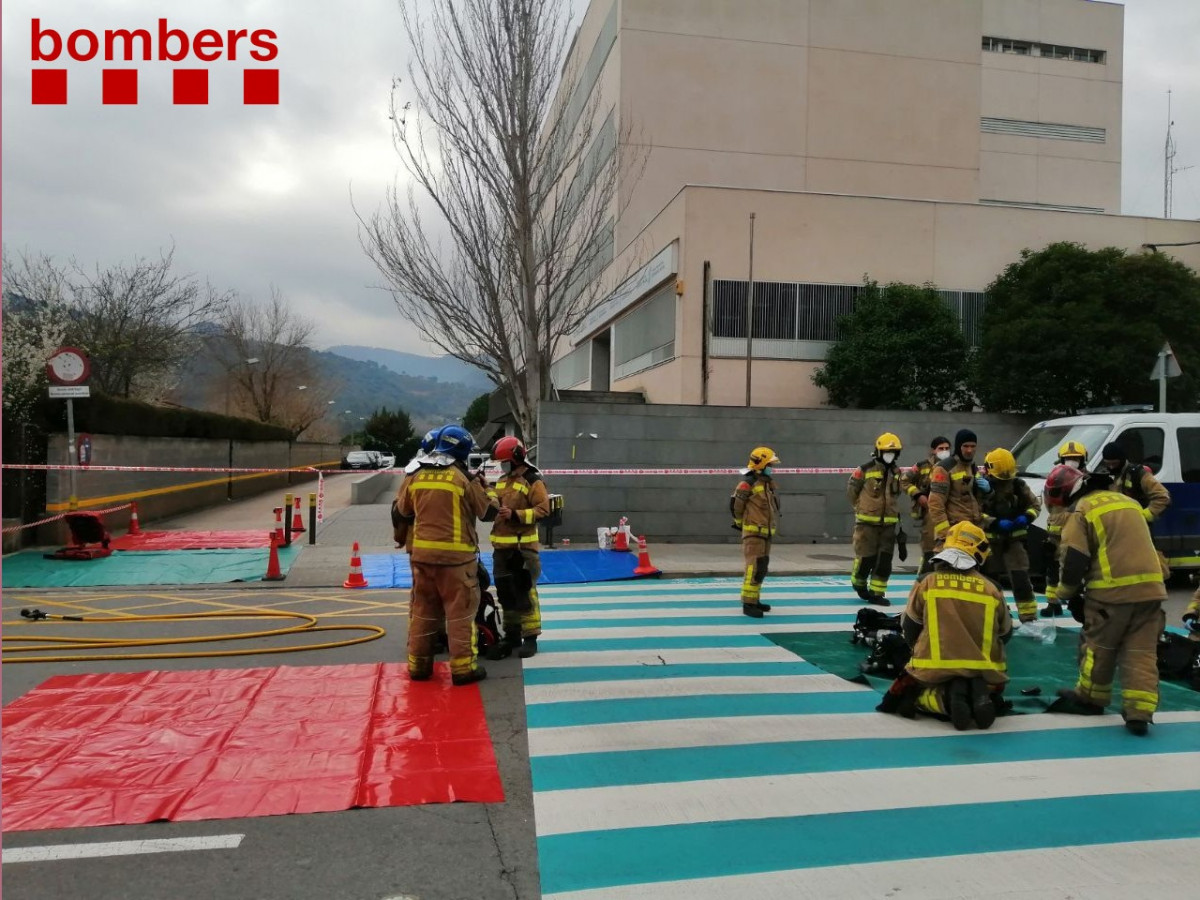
(902, 140)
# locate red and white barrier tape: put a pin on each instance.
(15, 528)
(808, 470)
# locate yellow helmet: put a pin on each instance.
(760, 458)
(1001, 464)
(1073, 450)
(969, 538)
(887, 441)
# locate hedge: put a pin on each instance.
(102, 414)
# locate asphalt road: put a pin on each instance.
(432, 852)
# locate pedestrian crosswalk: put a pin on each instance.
(677, 752)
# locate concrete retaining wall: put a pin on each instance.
(378, 487)
(695, 509)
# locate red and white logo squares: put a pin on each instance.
(189, 87)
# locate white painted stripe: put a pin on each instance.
(684, 611)
(54, 852)
(734, 730)
(731, 598)
(821, 793)
(668, 657)
(796, 582)
(687, 687)
(738, 624)
(1097, 872)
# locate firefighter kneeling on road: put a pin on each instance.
(755, 509)
(874, 492)
(1112, 582)
(1075, 455)
(516, 563)
(1007, 511)
(957, 624)
(443, 503)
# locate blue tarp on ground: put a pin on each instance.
(29, 570)
(558, 567)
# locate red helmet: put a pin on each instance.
(509, 448)
(1062, 484)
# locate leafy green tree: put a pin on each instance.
(477, 413)
(901, 348)
(1068, 328)
(390, 432)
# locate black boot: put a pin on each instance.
(1072, 704)
(863, 593)
(878, 599)
(1051, 610)
(528, 647)
(1140, 727)
(983, 710)
(765, 607)
(503, 648)
(753, 610)
(958, 699)
(476, 674)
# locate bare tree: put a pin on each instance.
(138, 321)
(266, 354)
(523, 178)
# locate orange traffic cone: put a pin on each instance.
(297, 520)
(134, 526)
(278, 510)
(621, 539)
(274, 573)
(355, 579)
(644, 566)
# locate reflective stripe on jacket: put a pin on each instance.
(530, 501)
(1136, 481)
(874, 492)
(755, 507)
(444, 505)
(963, 619)
(1109, 530)
(952, 495)
(1008, 500)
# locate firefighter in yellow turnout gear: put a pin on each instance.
(1007, 511)
(516, 562)
(955, 487)
(874, 492)
(916, 483)
(1075, 455)
(957, 624)
(755, 509)
(1112, 582)
(442, 503)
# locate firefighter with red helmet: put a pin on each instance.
(755, 509)
(1112, 582)
(516, 563)
(874, 493)
(1075, 455)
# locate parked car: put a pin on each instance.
(387, 460)
(1166, 443)
(361, 459)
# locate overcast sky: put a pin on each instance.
(258, 195)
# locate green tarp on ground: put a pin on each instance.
(1030, 664)
(30, 570)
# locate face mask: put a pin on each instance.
(1073, 463)
(942, 454)
(889, 458)
(506, 466)
(768, 471)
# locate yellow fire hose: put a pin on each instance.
(50, 643)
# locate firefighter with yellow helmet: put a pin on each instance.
(957, 624)
(755, 509)
(1074, 455)
(1008, 509)
(874, 490)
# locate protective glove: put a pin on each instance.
(1147, 515)
(1075, 608)
(1191, 622)
(1021, 521)
(983, 485)
(1005, 525)
(923, 501)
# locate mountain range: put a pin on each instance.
(441, 368)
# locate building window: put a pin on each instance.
(645, 337)
(1047, 51)
(1049, 130)
(573, 369)
(799, 320)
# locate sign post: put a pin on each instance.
(1166, 366)
(68, 369)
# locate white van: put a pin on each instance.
(1167, 443)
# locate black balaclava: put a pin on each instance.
(964, 436)
(1117, 452)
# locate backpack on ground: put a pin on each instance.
(1179, 659)
(880, 632)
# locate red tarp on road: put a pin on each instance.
(128, 748)
(193, 540)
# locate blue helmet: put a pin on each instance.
(455, 441)
(430, 440)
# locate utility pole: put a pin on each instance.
(750, 313)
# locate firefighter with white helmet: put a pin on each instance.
(755, 509)
(874, 489)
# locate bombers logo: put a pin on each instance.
(120, 85)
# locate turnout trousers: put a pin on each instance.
(437, 591)
(873, 548)
(756, 554)
(1124, 635)
(529, 621)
